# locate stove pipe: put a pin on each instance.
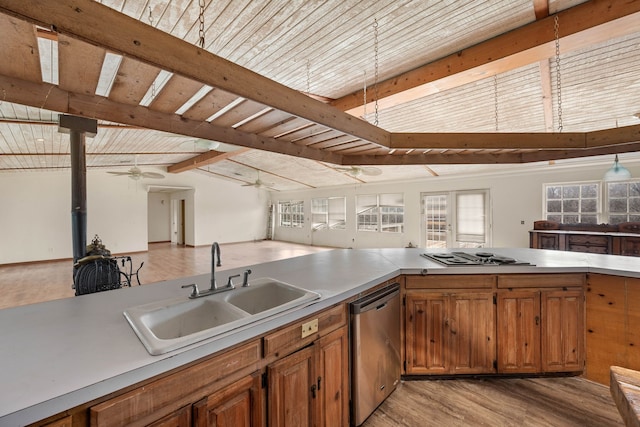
(77, 127)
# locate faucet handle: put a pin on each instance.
(230, 281)
(195, 292)
(245, 280)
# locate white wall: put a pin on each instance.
(159, 217)
(35, 213)
(515, 196)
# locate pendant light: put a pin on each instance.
(617, 172)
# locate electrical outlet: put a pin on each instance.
(309, 328)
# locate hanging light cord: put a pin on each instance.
(558, 76)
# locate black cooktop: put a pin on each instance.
(477, 258)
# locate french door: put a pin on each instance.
(456, 219)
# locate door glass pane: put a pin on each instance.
(435, 220)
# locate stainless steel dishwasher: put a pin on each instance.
(375, 350)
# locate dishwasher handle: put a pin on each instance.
(376, 300)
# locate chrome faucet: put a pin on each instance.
(215, 261)
(215, 250)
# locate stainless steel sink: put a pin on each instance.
(167, 325)
(266, 295)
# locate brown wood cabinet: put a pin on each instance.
(482, 324)
(562, 331)
(613, 325)
(518, 316)
(237, 405)
(450, 332)
(540, 329)
(310, 387)
(625, 241)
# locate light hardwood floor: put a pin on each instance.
(29, 283)
(529, 402)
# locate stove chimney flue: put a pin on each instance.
(78, 128)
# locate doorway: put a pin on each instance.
(456, 219)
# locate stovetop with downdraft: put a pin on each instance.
(477, 258)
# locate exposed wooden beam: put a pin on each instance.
(615, 136)
(204, 159)
(92, 22)
(481, 141)
(520, 141)
(580, 26)
(479, 157)
(50, 97)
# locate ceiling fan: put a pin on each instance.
(205, 144)
(359, 170)
(136, 173)
(258, 183)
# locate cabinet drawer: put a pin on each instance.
(455, 281)
(168, 394)
(588, 240)
(602, 250)
(541, 280)
(290, 337)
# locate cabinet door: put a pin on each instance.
(331, 404)
(239, 404)
(472, 329)
(289, 393)
(180, 418)
(519, 331)
(548, 241)
(426, 334)
(562, 335)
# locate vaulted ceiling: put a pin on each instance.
(289, 91)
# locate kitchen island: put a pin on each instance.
(61, 354)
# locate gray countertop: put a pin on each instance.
(59, 354)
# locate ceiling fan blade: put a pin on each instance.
(371, 171)
(153, 175)
(120, 173)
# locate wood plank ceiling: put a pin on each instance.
(282, 85)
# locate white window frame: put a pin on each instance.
(632, 211)
(380, 214)
(581, 199)
(291, 213)
(329, 213)
(605, 196)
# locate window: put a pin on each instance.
(380, 212)
(471, 214)
(623, 201)
(572, 203)
(291, 214)
(457, 219)
(328, 213)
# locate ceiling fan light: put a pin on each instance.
(617, 172)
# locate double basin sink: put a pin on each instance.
(167, 325)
